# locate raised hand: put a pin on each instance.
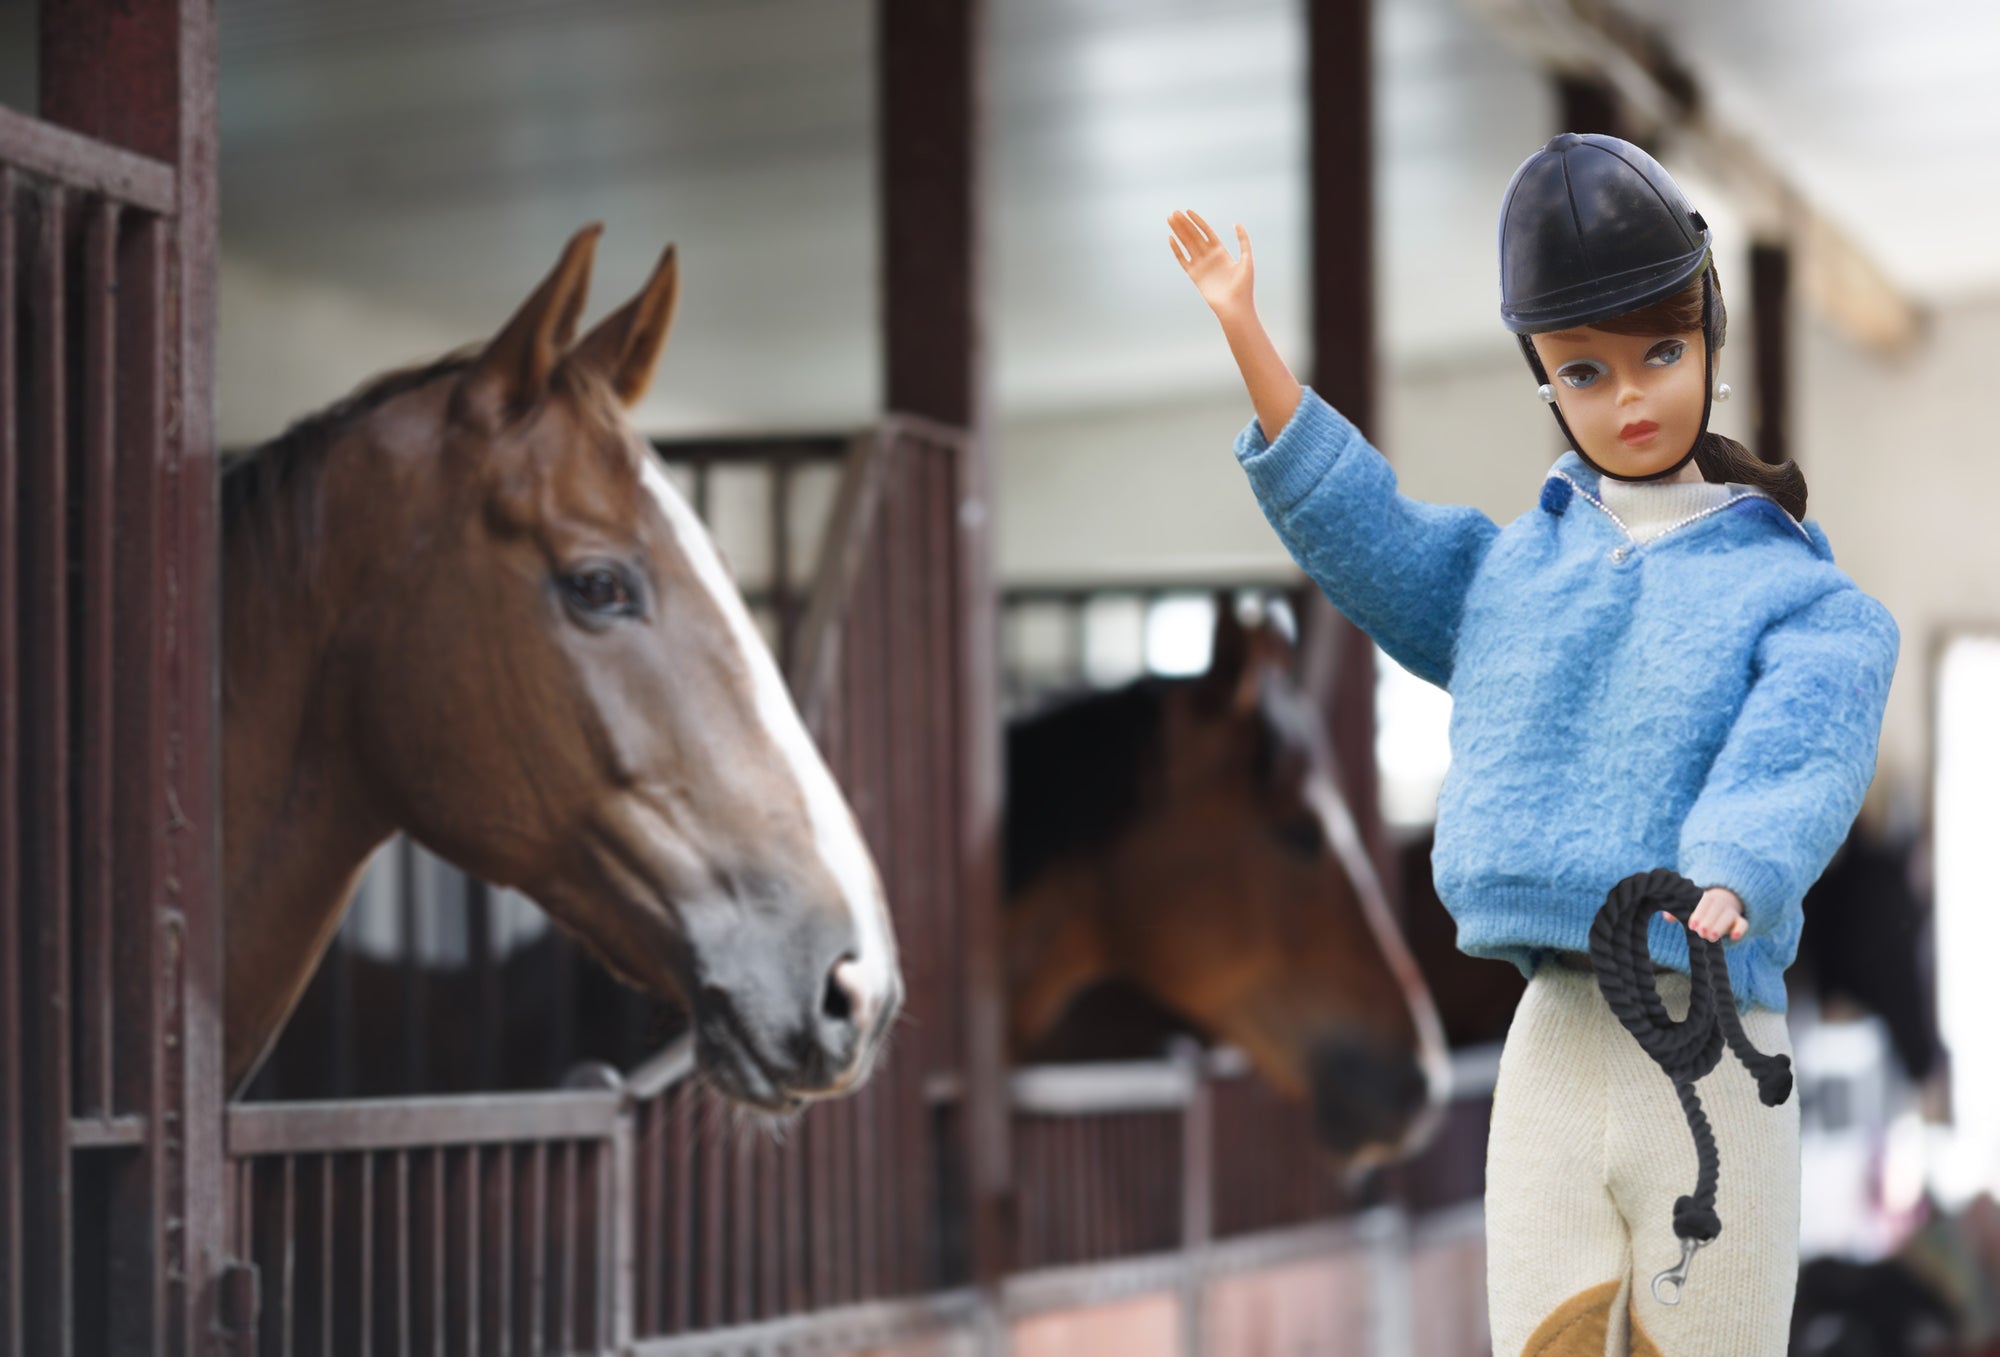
(1224, 283)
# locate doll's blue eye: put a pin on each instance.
(1581, 373)
(1665, 355)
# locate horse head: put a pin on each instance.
(509, 636)
(1220, 872)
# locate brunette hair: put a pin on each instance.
(1720, 459)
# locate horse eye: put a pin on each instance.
(598, 589)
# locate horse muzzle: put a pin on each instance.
(1364, 1096)
(798, 1017)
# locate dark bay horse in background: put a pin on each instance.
(1184, 837)
(467, 604)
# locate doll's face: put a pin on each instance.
(1633, 401)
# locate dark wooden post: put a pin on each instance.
(142, 77)
(930, 136)
(1587, 104)
(1771, 331)
(1342, 194)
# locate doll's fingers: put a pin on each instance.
(1189, 235)
(1243, 240)
(1180, 256)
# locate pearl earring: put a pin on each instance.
(1547, 393)
(1722, 391)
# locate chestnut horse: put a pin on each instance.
(1184, 836)
(467, 604)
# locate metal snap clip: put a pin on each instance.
(1676, 1276)
(1619, 553)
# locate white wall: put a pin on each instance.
(1903, 466)
(286, 347)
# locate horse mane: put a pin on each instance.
(288, 467)
(1076, 774)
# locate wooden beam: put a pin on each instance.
(1339, 658)
(929, 157)
(931, 97)
(1771, 309)
(1586, 103)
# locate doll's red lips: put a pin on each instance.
(1637, 433)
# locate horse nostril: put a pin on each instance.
(837, 1003)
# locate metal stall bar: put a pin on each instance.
(96, 1017)
(904, 1150)
(13, 1300)
(46, 771)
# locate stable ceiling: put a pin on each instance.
(430, 158)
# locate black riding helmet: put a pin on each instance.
(1592, 227)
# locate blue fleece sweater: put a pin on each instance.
(1709, 700)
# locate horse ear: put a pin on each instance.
(626, 344)
(1229, 658)
(513, 371)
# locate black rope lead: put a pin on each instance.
(1688, 1049)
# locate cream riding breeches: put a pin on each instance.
(1589, 1149)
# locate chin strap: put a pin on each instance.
(1708, 347)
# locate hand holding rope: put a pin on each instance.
(1685, 1050)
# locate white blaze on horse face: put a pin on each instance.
(835, 833)
(1433, 1052)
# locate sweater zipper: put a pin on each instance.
(1632, 544)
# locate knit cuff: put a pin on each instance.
(1756, 883)
(1284, 470)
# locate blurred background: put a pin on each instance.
(395, 175)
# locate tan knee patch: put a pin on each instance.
(1642, 1344)
(1579, 1326)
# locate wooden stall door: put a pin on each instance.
(110, 1085)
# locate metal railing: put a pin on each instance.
(1127, 1158)
(90, 632)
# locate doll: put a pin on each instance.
(1659, 666)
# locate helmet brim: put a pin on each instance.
(1602, 298)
